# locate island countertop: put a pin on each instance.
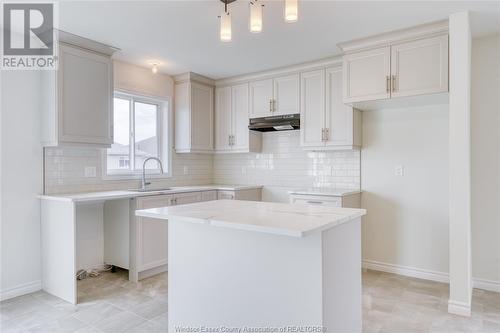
(267, 217)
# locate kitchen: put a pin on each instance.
(362, 130)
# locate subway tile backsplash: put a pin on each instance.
(65, 171)
(282, 165)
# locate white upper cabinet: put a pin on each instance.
(231, 121)
(78, 99)
(326, 123)
(194, 114)
(312, 115)
(408, 62)
(239, 118)
(223, 121)
(367, 75)
(419, 67)
(261, 98)
(274, 97)
(342, 122)
(286, 95)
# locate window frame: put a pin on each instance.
(164, 133)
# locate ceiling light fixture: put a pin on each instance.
(255, 16)
(291, 10)
(154, 69)
(225, 23)
(255, 21)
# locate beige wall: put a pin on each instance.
(141, 80)
(485, 121)
(407, 220)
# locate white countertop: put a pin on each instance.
(268, 217)
(332, 192)
(112, 195)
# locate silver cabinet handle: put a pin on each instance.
(315, 202)
(322, 134)
(394, 83)
(270, 105)
(387, 84)
(327, 134)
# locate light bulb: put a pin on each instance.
(291, 10)
(255, 17)
(154, 69)
(225, 27)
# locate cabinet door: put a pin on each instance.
(222, 118)
(85, 96)
(261, 95)
(208, 195)
(367, 75)
(240, 116)
(225, 195)
(420, 67)
(187, 198)
(202, 117)
(286, 95)
(339, 116)
(152, 234)
(312, 113)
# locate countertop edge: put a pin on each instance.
(124, 194)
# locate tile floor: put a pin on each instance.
(110, 303)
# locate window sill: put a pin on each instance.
(135, 176)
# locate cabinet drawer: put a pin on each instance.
(317, 200)
(225, 195)
(154, 201)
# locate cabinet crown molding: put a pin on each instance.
(193, 77)
(85, 43)
(397, 36)
(282, 71)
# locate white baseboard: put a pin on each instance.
(407, 271)
(459, 308)
(484, 284)
(20, 290)
(425, 274)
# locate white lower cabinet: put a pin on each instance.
(249, 194)
(149, 236)
(346, 201)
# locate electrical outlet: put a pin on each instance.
(399, 170)
(186, 170)
(90, 171)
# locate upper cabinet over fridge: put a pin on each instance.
(378, 71)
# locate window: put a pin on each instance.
(140, 128)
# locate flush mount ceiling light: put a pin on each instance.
(154, 68)
(255, 21)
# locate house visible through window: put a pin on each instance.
(138, 132)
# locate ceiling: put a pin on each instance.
(183, 35)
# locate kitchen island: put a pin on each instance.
(260, 265)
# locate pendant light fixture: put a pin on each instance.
(255, 20)
(225, 23)
(291, 10)
(255, 16)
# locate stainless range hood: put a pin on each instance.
(276, 123)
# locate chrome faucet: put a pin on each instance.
(144, 183)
